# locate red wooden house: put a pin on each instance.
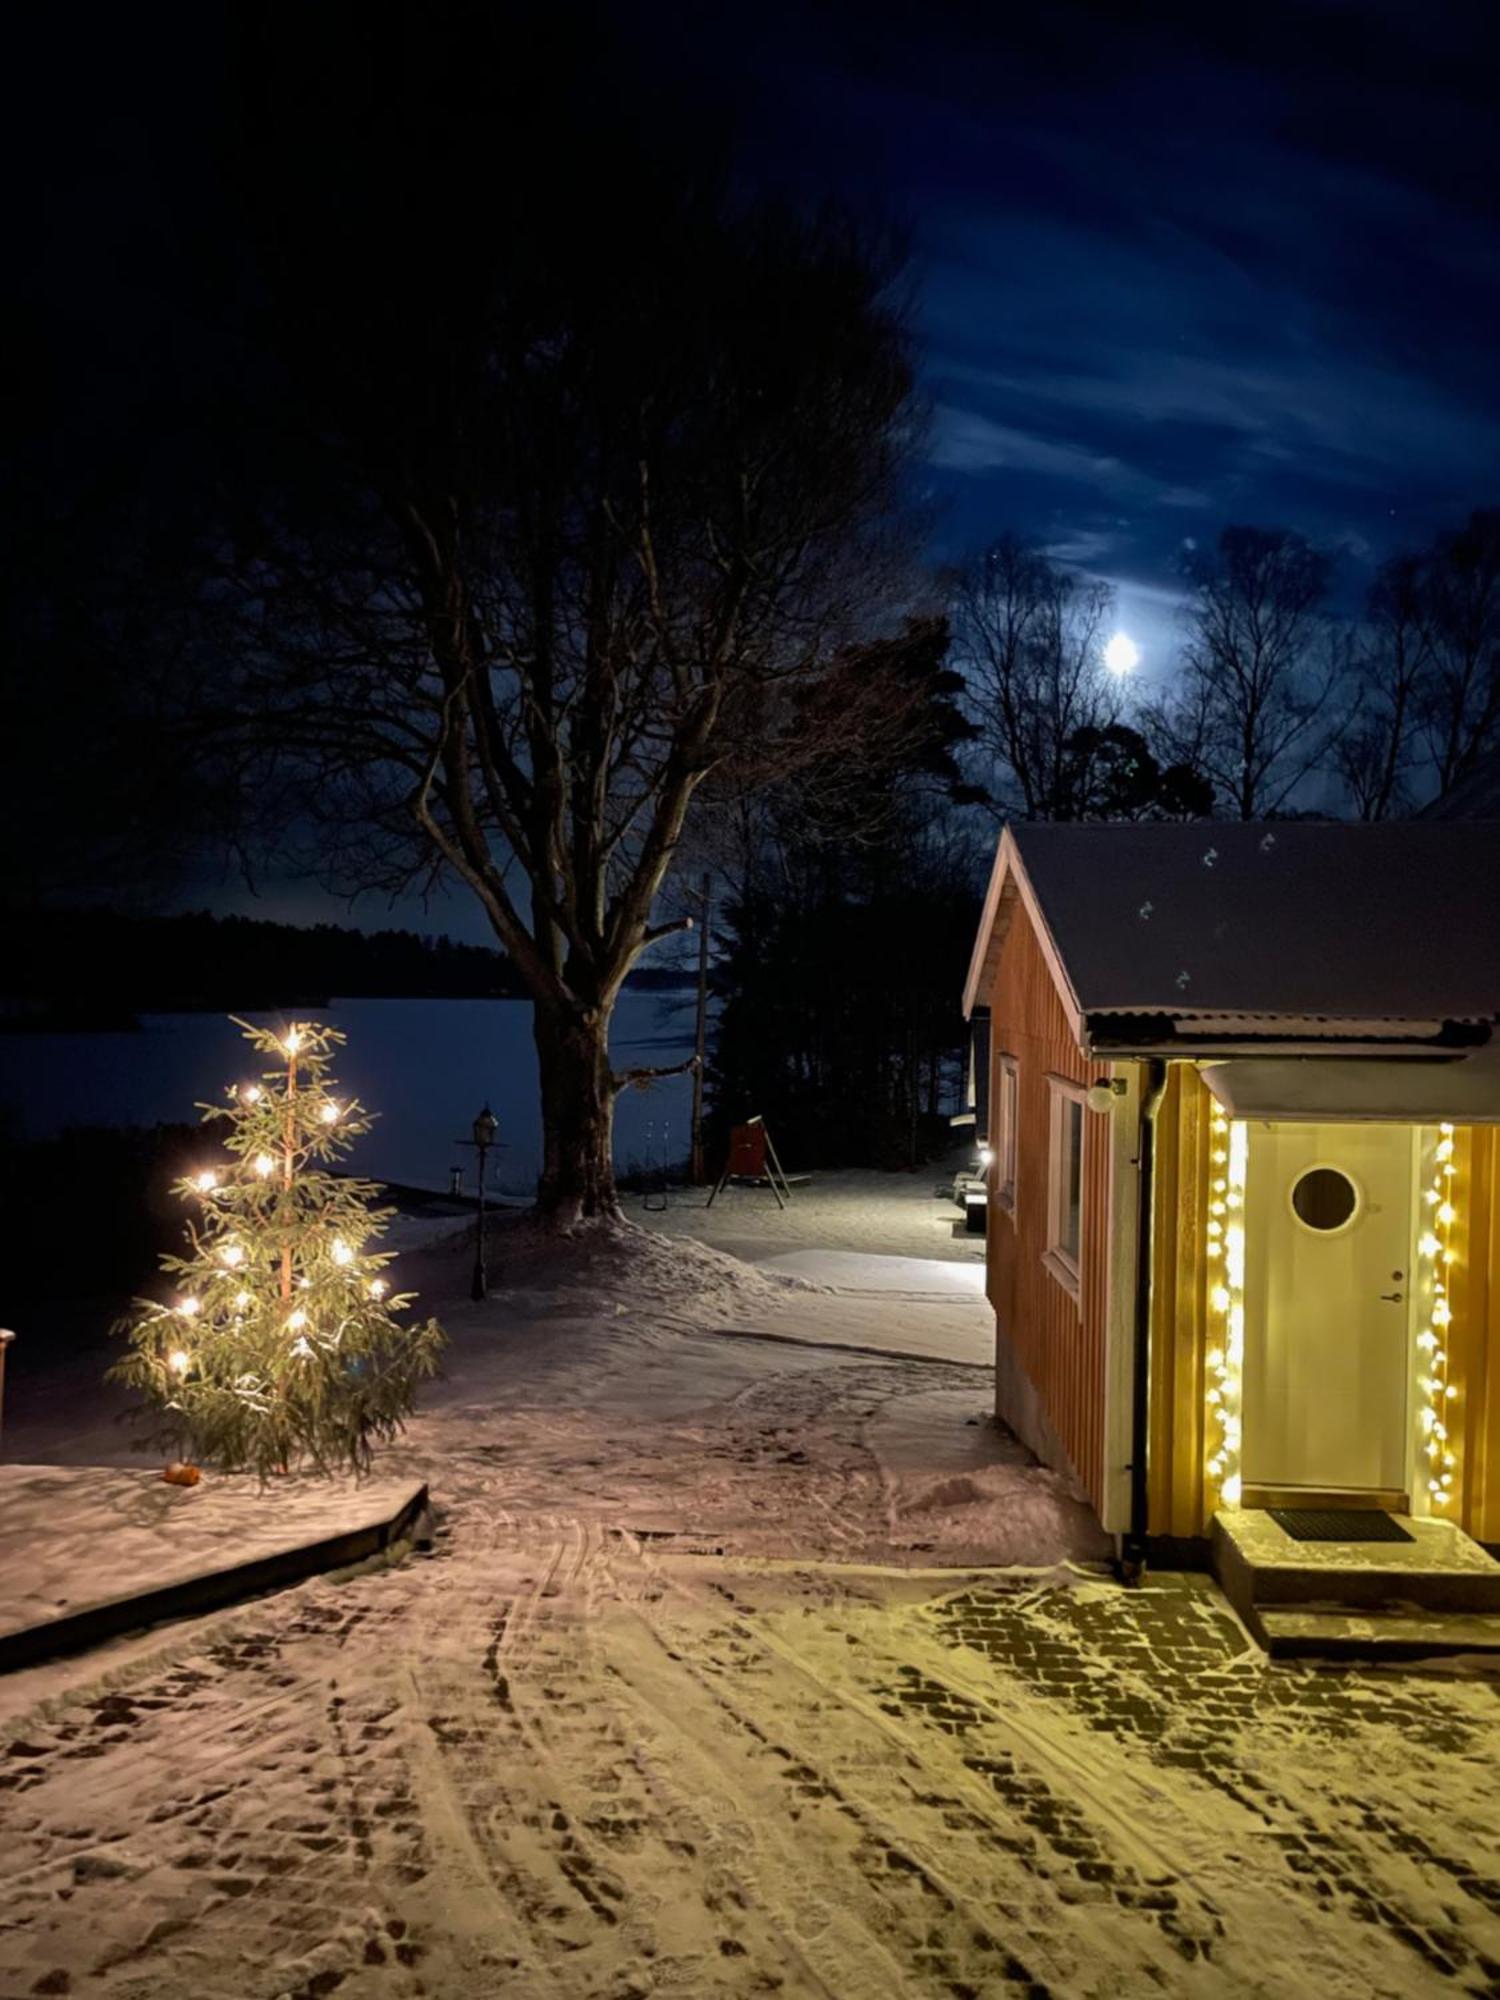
(1244, 1242)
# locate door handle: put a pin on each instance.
(1394, 1298)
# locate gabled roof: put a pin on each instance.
(1299, 929)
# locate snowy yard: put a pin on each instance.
(739, 1665)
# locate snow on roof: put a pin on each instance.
(1396, 923)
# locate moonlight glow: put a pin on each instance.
(1121, 653)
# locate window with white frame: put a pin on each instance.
(1065, 1180)
(1007, 1118)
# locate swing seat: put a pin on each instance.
(752, 1162)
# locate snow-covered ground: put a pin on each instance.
(740, 1665)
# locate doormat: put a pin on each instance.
(1339, 1524)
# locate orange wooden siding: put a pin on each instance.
(1057, 1339)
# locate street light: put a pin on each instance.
(485, 1127)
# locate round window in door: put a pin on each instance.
(1325, 1199)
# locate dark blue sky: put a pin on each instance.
(1178, 265)
(1174, 265)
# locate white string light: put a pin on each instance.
(1229, 1148)
(1436, 1257)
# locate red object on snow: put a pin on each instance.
(747, 1150)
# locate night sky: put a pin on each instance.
(1181, 265)
(1176, 266)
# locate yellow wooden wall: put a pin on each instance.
(1474, 1336)
(1176, 1495)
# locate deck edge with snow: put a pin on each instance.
(210, 1589)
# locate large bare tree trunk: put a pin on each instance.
(578, 1115)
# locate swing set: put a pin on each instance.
(752, 1157)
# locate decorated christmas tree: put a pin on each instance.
(281, 1346)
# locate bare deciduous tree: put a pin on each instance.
(580, 512)
(1377, 752)
(1258, 674)
(1462, 706)
(1428, 703)
(1030, 636)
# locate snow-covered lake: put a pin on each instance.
(425, 1066)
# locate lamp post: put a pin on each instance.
(486, 1125)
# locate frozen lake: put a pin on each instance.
(424, 1066)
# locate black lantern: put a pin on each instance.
(485, 1128)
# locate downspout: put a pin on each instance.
(1133, 1543)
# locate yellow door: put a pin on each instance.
(1329, 1237)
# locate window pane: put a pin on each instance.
(1072, 1175)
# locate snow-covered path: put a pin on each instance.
(688, 1698)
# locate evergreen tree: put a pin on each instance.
(281, 1346)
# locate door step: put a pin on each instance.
(1358, 1599)
(1392, 1632)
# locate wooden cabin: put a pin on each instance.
(1244, 1237)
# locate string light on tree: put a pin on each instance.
(232, 1374)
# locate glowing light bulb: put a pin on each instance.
(296, 1321)
(1219, 1298)
(1447, 1214)
(330, 1114)
(179, 1361)
(293, 1041)
(232, 1254)
(206, 1182)
(1230, 1491)
(341, 1252)
(251, 1093)
(188, 1307)
(242, 1299)
(378, 1288)
(265, 1166)
(1429, 1245)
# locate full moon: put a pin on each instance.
(1121, 653)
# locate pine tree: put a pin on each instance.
(282, 1346)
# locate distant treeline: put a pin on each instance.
(99, 968)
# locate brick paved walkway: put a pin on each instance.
(1351, 1780)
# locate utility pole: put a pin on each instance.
(699, 1168)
